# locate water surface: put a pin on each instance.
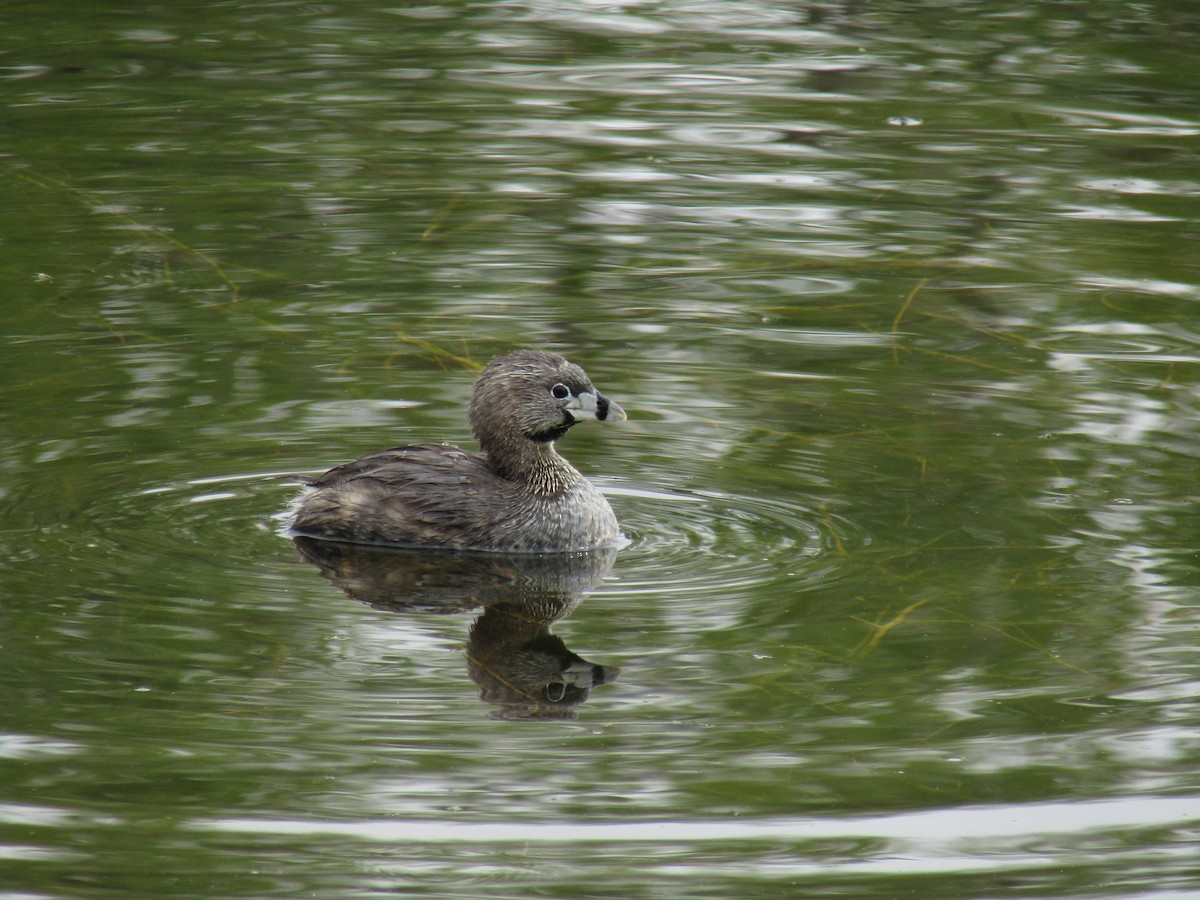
(901, 302)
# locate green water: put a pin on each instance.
(901, 300)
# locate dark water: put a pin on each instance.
(901, 300)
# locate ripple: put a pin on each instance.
(642, 79)
(686, 542)
(175, 539)
(201, 505)
(721, 543)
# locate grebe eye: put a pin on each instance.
(560, 391)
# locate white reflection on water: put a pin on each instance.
(926, 829)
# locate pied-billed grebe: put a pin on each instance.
(518, 495)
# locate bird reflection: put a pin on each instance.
(521, 668)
